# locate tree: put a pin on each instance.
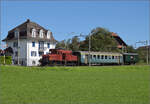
(61, 44)
(75, 43)
(130, 49)
(142, 52)
(101, 40)
(69, 44)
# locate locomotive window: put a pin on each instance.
(112, 57)
(105, 57)
(94, 56)
(98, 56)
(102, 56)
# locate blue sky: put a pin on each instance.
(129, 19)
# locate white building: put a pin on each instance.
(29, 41)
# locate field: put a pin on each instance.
(75, 85)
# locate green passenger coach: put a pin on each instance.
(130, 58)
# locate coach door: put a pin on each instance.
(86, 59)
(119, 59)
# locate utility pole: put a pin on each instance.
(17, 32)
(147, 49)
(89, 49)
(89, 57)
(147, 52)
(122, 48)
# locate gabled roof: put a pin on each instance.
(118, 40)
(25, 33)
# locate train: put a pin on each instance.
(81, 58)
(59, 57)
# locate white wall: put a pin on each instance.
(30, 58)
(25, 51)
(22, 50)
(36, 58)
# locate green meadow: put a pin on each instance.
(75, 85)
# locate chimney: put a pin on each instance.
(28, 20)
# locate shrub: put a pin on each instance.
(8, 60)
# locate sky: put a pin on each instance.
(129, 19)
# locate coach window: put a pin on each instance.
(102, 56)
(98, 56)
(105, 57)
(86, 56)
(109, 57)
(116, 57)
(112, 57)
(94, 56)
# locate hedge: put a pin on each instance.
(8, 60)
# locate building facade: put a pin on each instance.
(29, 41)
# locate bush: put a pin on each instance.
(8, 60)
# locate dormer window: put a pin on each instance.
(33, 32)
(41, 33)
(16, 33)
(48, 34)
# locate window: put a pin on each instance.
(41, 45)
(48, 45)
(86, 56)
(109, 57)
(33, 53)
(41, 53)
(15, 44)
(48, 34)
(33, 32)
(98, 56)
(94, 56)
(16, 53)
(102, 56)
(132, 57)
(16, 33)
(41, 33)
(105, 57)
(33, 62)
(33, 44)
(112, 57)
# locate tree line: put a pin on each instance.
(101, 40)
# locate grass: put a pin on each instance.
(75, 85)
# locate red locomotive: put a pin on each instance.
(59, 57)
